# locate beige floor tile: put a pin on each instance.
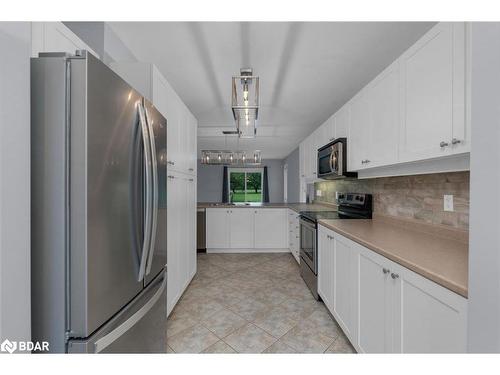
(275, 322)
(192, 340)
(297, 309)
(279, 348)
(341, 345)
(176, 325)
(170, 350)
(249, 308)
(304, 340)
(250, 339)
(220, 347)
(224, 322)
(202, 308)
(323, 323)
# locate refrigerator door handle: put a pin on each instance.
(155, 193)
(115, 334)
(149, 198)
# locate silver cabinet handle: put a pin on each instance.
(443, 144)
(365, 161)
(191, 169)
(455, 141)
(170, 162)
(170, 176)
(191, 180)
(385, 271)
(394, 276)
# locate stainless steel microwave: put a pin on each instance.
(332, 160)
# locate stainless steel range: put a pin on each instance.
(350, 206)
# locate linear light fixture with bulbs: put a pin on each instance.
(226, 157)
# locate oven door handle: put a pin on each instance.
(307, 224)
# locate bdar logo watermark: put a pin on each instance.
(8, 346)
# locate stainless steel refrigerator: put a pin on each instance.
(99, 213)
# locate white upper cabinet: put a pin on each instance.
(415, 110)
(341, 122)
(358, 142)
(383, 121)
(433, 94)
(55, 37)
(181, 124)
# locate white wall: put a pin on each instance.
(15, 42)
(293, 180)
(484, 248)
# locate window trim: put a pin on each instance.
(245, 170)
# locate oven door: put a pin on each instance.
(308, 252)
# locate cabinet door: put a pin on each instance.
(329, 130)
(242, 228)
(342, 122)
(428, 317)
(174, 240)
(55, 37)
(270, 228)
(191, 197)
(358, 133)
(383, 130)
(302, 159)
(217, 222)
(325, 266)
(374, 309)
(191, 144)
(431, 102)
(344, 285)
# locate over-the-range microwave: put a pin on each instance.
(332, 160)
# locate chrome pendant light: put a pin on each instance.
(245, 103)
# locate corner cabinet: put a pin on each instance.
(383, 307)
(246, 229)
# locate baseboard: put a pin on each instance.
(174, 302)
(241, 251)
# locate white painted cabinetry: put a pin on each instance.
(416, 110)
(181, 124)
(384, 307)
(55, 37)
(181, 167)
(433, 94)
(294, 234)
(271, 228)
(246, 229)
(181, 239)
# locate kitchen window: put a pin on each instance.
(245, 185)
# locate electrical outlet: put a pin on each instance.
(448, 202)
(318, 193)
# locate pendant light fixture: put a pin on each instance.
(245, 103)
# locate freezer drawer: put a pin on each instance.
(139, 328)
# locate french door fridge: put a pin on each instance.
(99, 245)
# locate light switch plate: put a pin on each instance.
(318, 193)
(448, 202)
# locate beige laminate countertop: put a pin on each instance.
(297, 207)
(440, 258)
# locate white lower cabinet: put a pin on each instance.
(383, 307)
(270, 228)
(245, 229)
(294, 234)
(181, 239)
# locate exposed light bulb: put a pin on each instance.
(219, 157)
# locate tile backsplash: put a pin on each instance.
(417, 197)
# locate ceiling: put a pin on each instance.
(307, 70)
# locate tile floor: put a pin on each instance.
(251, 303)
